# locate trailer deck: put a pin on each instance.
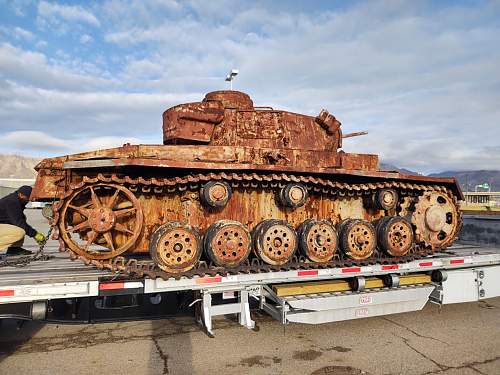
(474, 270)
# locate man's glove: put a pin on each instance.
(39, 237)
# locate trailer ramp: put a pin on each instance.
(345, 300)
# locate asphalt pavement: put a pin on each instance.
(458, 339)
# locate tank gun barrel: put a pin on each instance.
(355, 134)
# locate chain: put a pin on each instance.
(23, 261)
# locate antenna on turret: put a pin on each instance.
(233, 73)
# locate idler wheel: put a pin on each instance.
(227, 243)
(293, 195)
(357, 239)
(275, 241)
(436, 219)
(386, 199)
(215, 194)
(318, 240)
(175, 247)
(395, 235)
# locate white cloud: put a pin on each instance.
(99, 143)
(33, 68)
(41, 44)
(81, 121)
(33, 140)
(86, 39)
(21, 33)
(17, 33)
(18, 6)
(52, 12)
(38, 140)
(422, 79)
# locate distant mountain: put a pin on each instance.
(17, 166)
(391, 167)
(469, 179)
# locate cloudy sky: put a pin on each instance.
(423, 78)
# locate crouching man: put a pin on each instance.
(13, 225)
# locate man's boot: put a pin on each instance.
(16, 250)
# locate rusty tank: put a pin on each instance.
(240, 188)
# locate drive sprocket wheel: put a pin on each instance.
(227, 243)
(275, 241)
(395, 235)
(318, 240)
(175, 247)
(107, 217)
(357, 239)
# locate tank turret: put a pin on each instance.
(229, 118)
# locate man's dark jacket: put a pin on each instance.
(11, 212)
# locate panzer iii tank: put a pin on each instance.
(239, 188)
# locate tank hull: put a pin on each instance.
(55, 174)
(235, 184)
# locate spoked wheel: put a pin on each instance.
(318, 240)
(275, 241)
(395, 235)
(227, 243)
(107, 217)
(175, 247)
(357, 239)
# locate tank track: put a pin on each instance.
(146, 267)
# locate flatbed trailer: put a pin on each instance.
(463, 273)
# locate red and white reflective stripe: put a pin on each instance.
(351, 269)
(7, 293)
(120, 285)
(425, 264)
(457, 261)
(308, 273)
(209, 280)
(390, 267)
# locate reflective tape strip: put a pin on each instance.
(7, 293)
(307, 273)
(390, 267)
(120, 285)
(425, 264)
(209, 280)
(111, 286)
(457, 261)
(351, 269)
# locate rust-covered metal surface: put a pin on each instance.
(233, 182)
